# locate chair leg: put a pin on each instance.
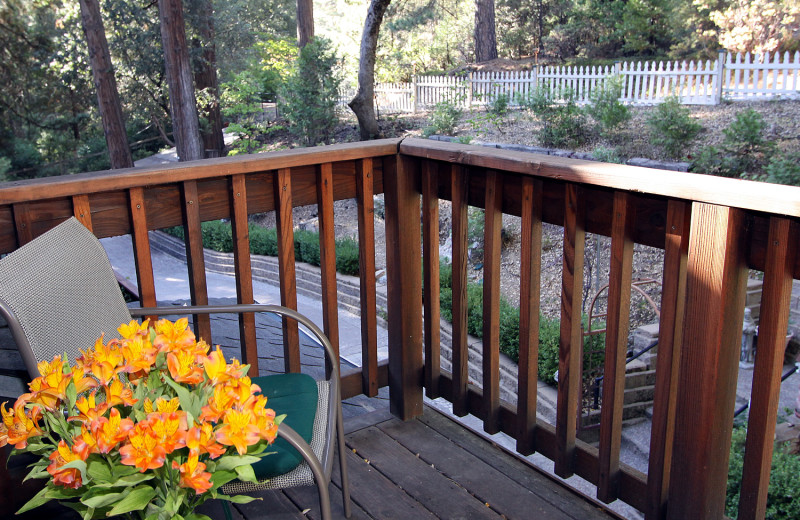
(343, 464)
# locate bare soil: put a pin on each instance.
(782, 125)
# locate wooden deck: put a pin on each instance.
(422, 469)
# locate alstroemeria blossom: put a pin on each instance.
(67, 477)
(194, 475)
(143, 449)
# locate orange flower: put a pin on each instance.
(50, 388)
(140, 356)
(183, 368)
(216, 368)
(85, 443)
(173, 335)
(193, 474)
(142, 449)
(133, 328)
(264, 418)
(117, 393)
(168, 429)
(89, 410)
(69, 477)
(110, 431)
(161, 405)
(202, 440)
(239, 430)
(219, 402)
(19, 426)
(240, 389)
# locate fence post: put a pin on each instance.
(414, 94)
(720, 77)
(469, 90)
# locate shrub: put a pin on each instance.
(608, 155)
(347, 256)
(444, 118)
(563, 122)
(263, 241)
(306, 246)
(783, 496)
(672, 127)
(498, 106)
(605, 107)
(308, 96)
(743, 151)
(784, 168)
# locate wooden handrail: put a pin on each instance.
(711, 230)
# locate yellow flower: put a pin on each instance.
(89, 409)
(143, 449)
(173, 335)
(170, 429)
(216, 368)
(140, 356)
(110, 431)
(193, 474)
(219, 402)
(162, 405)
(134, 328)
(117, 393)
(239, 430)
(202, 440)
(183, 368)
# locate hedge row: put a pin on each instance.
(549, 328)
(217, 236)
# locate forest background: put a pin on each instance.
(50, 122)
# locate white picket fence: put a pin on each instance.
(735, 77)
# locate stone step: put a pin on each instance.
(639, 379)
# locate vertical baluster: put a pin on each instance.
(491, 301)
(240, 233)
(570, 345)
(430, 257)
(22, 222)
(196, 264)
(619, 303)
(82, 210)
(529, 300)
(282, 188)
(366, 251)
(670, 330)
(459, 188)
(141, 248)
(327, 257)
(773, 323)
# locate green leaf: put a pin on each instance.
(36, 473)
(189, 402)
(220, 478)
(80, 465)
(238, 499)
(246, 473)
(98, 469)
(102, 499)
(196, 516)
(135, 501)
(232, 461)
(38, 499)
(72, 394)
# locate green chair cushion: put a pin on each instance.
(296, 396)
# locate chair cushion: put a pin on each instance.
(296, 396)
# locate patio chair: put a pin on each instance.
(58, 293)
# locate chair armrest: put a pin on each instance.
(241, 308)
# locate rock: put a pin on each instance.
(661, 165)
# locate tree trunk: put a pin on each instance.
(305, 22)
(485, 38)
(182, 102)
(205, 76)
(363, 105)
(108, 103)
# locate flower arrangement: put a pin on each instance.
(149, 426)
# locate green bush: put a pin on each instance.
(784, 168)
(263, 241)
(563, 122)
(783, 495)
(743, 152)
(672, 127)
(608, 155)
(605, 107)
(498, 106)
(306, 246)
(347, 256)
(444, 118)
(309, 95)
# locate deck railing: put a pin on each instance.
(712, 231)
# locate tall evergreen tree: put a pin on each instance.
(201, 16)
(305, 22)
(363, 104)
(485, 36)
(106, 85)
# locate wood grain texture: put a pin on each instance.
(22, 222)
(82, 210)
(403, 253)
(240, 233)
(459, 184)
(365, 186)
(570, 348)
(617, 324)
(141, 248)
(327, 255)
(670, 333)
(491, 300)
(751, 195)
(430, 259)
(715, 295)
(774, 318)
(198, 288)
(282, 188)
(529, 302)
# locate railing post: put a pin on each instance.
(715, 296)
(404, 287)
(414, 94)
